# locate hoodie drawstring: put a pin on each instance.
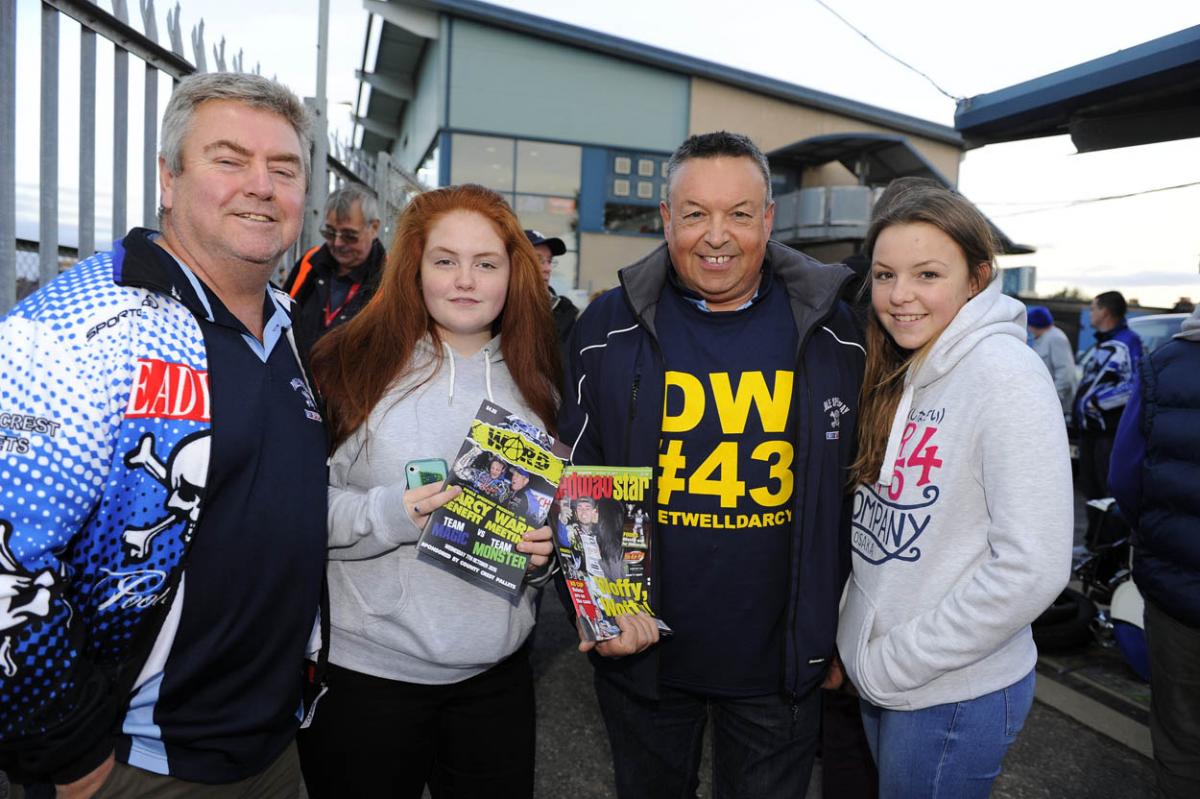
(450, 357)
(487, 372)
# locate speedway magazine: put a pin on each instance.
(601, 525)
(508, 471)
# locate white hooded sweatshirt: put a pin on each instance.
(967, 537)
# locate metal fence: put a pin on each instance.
(392, 184)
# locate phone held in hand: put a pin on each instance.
(425, 471)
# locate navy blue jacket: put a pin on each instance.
(1154, 474)
(612, 415)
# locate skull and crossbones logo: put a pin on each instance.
(23, 595)
(183, 475)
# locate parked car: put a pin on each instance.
(1156, 329)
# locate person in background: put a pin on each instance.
(1054, 348)
(335, 280)
(1154, 476)
(1109, 370)
(564, 310)
(957, 544)
(429, 679)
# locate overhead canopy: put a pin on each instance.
(391, 82)
(1144, 94)
(876, 159)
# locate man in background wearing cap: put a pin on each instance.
(563, 309)
(1052, 345)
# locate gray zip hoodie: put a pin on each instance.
(966, 538)
(392, 615)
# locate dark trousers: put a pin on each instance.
(847, 768)
(1174, 702)
(373, 737)
(1095, 451)
(763, 746)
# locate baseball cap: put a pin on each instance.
(555, 244)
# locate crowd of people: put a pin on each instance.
(208, 575)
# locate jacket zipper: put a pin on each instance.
(802, 422)
(637, 381)
(655, 545)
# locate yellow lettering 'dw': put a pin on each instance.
(733, 408)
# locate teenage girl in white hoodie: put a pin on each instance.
(962, 522)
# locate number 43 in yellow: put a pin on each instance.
(717, 475)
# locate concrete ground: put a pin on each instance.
(1056, 756)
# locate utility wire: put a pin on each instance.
(1090, 200)
(895, 58)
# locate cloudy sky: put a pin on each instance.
(1038, 192)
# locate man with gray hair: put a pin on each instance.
(728, 363)
(162, 527)
(333, 281)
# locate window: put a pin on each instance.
(632, 219)
(429, 171)
(633, 187)
(550, 216)
(544, 168)
(486, 160)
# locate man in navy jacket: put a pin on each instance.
(1154, 473)
(728, 363)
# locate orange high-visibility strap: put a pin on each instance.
(305, 269)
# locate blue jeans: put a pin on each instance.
(946, 751)
(762, 745)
